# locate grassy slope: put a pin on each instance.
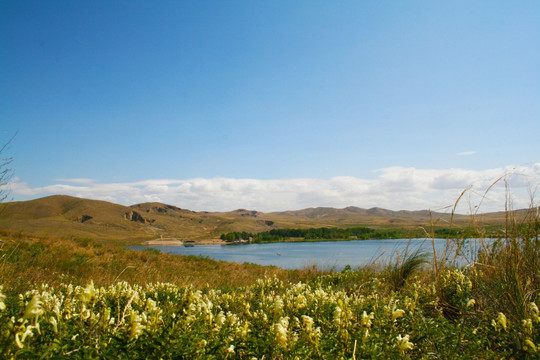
(26, 260)
(59, 215)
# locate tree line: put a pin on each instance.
(354, 233)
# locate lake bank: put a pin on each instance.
(166, 242)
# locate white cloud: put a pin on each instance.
(466, 153)
(396, 188)
(76, 180)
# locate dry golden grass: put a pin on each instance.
(27, 260)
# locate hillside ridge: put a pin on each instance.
(68, 216)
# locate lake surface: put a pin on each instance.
(324, 254)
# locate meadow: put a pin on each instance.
(81, 299)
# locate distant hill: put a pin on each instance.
(367, 217)
(66, 216)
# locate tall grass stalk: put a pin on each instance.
(405, 266)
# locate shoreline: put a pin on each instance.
(181, 243)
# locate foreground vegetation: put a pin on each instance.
(343, 315)
(80, 299)
(347, 315)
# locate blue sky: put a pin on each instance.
(271, 105)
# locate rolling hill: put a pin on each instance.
(66, 216)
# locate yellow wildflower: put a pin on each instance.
(529, 345)
(527, 324)
(501, 320)
(88, 294)
(534, 308)
(202, 343)
(366, 334)
(403, 343)
(308, 322)
(337, 315)
(300, 302)
(396, 314)
(33, 308)
(2, 297)
(54, 324)
(136, 327)
(21, 336)
(281, 330)
(366, 319)
(535, 312)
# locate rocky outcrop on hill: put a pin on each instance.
(159, 208)
(164, 209)
(248, 213)
(83, 218)
(135, 216)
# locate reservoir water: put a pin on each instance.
(324, 254)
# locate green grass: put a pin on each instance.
(405, 266)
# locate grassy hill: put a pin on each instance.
(66, 216)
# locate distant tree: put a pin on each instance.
(5, 171)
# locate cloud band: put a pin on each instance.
(395, 188)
